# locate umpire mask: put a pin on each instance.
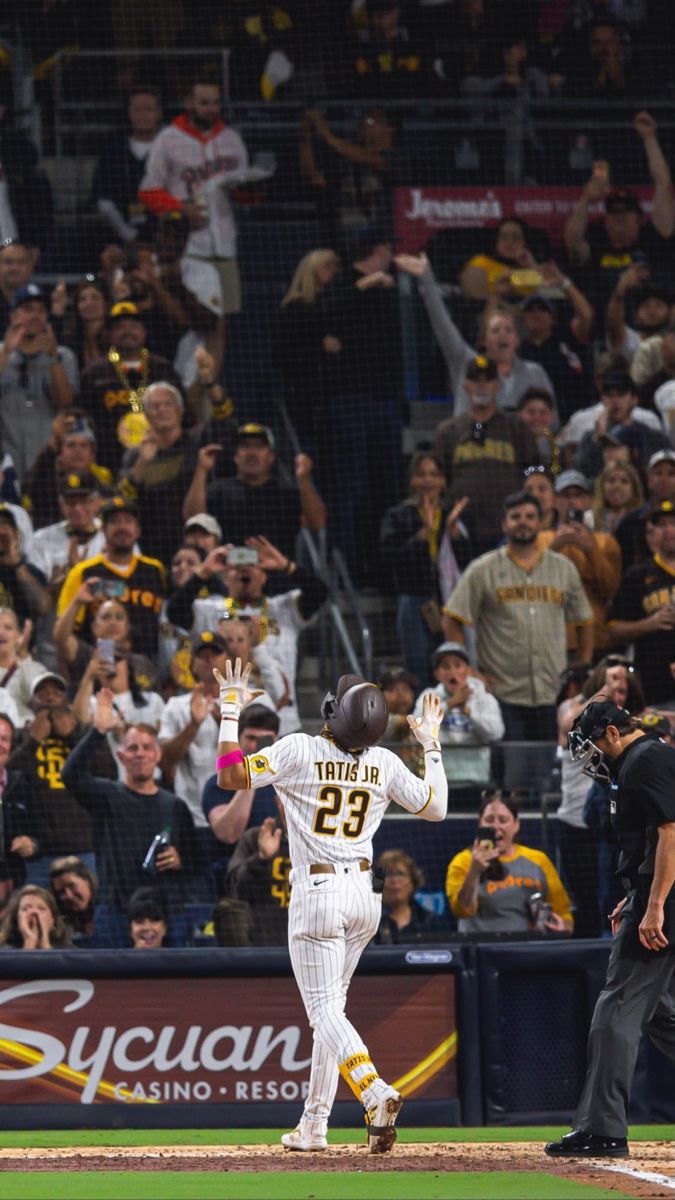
(590, 725)
(356, 714)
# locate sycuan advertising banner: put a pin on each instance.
(420, 212)
(205, 1041)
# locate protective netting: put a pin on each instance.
(261, 262)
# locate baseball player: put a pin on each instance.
(335, 789)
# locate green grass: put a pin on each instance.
(213, 1185)
(235, 1137)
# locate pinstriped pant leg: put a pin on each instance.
(318, 954)
(323, 1081)
(324, 1078)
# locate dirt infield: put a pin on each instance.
(654, 1161)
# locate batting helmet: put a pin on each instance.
(356, 713)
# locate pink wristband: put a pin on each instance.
(228, 760)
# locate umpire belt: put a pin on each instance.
(333, 868)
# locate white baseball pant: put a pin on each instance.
(332, 917)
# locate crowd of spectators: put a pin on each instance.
(148, 534)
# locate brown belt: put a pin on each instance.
(329, 868)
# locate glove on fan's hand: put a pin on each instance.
(234, 689)
(426, 727)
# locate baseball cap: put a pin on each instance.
(125, 308)
(253, 430)
(665, 509)
(116, 505)
(659, 457)
(568, 479)
(621, 200)
(24, 295)
(481, 367)
(47, 677)
(6, 512)
(394, 675)
(80, 426)
(536, 300)
(654, 722)
(206, 522)
(209, 641)
(449, 648)
(77, 485)
(624, 435)
(617, 381)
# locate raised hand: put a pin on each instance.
(106, 718)
(206, 366)
(206, 459)
(303, 466)
(168, 859)
(234, 689)
(23, 644)
(425, 728)
(452, 519)
(644, 124)
(59, 299)
(269, 838)
(200, 704)
(414, 264)
(214, 563)
(147, 451)
(269, 558)
(87, 589)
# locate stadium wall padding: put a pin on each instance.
(472, 1033)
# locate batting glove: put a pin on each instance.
(426, 727)
(234, 689)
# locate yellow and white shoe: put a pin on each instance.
(380, 1121)
(302, 1139)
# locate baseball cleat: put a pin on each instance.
(300, 1139)
(380, 1122)
(579, 1144)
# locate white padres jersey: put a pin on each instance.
(192, 165)
(51, 547)
(334, 802)
(284, 622)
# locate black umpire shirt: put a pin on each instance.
(642, 591)
(642, 798)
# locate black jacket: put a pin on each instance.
(405, 556)
(125, 823)
(19, 818)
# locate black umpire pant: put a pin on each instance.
(638, 997)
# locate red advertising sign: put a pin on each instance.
(184, 1041)
(421, 212)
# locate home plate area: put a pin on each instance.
(650, 1170)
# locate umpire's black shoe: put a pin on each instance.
(579, 1144)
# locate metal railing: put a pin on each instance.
(335, 574)
(65, 110)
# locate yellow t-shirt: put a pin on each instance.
(503, 904)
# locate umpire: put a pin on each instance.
(639, 992)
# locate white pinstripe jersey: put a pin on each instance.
(334, 802)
